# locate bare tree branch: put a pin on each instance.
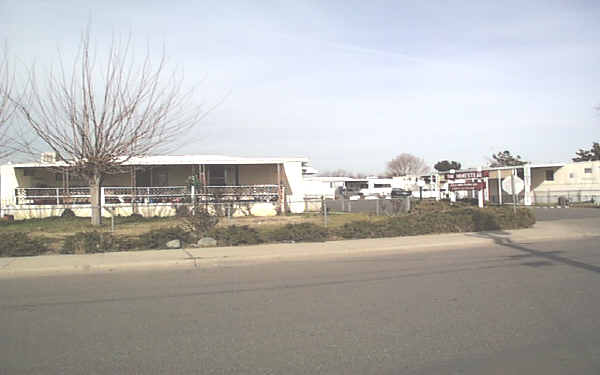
(8, 107)
(98, 116)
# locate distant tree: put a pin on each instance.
(445, 165)
(406, 164)
(588, 155)
(506, 159)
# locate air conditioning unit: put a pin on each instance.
(48, 157)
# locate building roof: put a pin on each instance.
(544, 165)
(182, 160)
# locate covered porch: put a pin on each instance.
(139, 187)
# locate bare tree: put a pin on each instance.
(96, 117)
(407, 164)
(7, 104)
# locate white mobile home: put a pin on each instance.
(155, 185)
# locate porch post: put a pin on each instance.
(279, 197)
(480, 195)
(527, 180)
(499, 187)
(133, 190)
(204, 179)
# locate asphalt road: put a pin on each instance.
(503, 309)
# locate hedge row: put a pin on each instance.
(20, 244)
(449, 221)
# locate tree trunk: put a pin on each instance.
(96, 200)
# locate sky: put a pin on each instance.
(351, 84)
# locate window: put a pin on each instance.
(378, 186)
(571, 175)
(587, 170)
(28, 172)
(550, 175)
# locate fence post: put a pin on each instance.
(350, 206)
(193, 197)
(377, 207)
(343, 208)
(57, 196)
(324, 205)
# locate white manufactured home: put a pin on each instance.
(156, 185)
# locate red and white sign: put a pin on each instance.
(463, 175)
(467, 186)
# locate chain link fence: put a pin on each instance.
(558, 197)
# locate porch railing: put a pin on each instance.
(52, 196)
(148, 195)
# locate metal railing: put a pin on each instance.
(52, 196)
(148, 195)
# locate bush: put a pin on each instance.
(304, 232)
(182, 211)
(456, 220)
(90, 242)
(360, 229)
(236, 235)
(157, 238)
(18, 244)
(67, 213)
(200, 221)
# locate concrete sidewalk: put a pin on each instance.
(219, 256)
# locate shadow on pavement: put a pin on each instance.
(502, 238)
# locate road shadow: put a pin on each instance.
(502, 238)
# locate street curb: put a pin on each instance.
(192, 258)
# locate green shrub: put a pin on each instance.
(18, 244)
(449, 221)
(67, 213)
(157, 238)
(200, 221)
(182, 211)
(90, 242)
(304, 232)
(236, 235)
(361, 229)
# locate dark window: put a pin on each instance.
(550, 175)
(28, 172)
(382, 186)
(588, 170)
(216, 175)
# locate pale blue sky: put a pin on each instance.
(351, 84)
